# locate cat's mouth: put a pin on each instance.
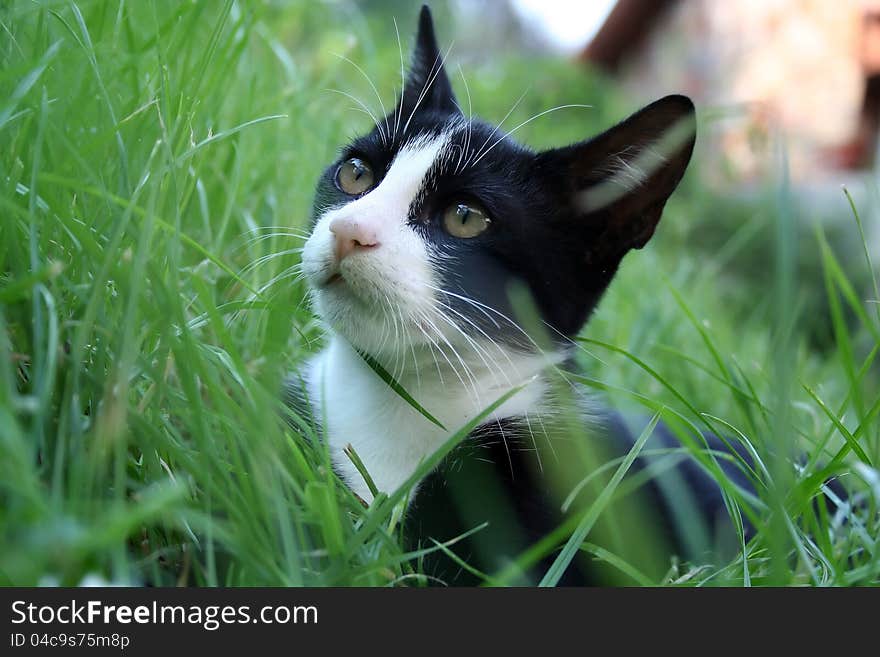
(342, 288)
(331, 277)
(333, 280)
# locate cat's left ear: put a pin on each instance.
(427, 85)
(616, 184)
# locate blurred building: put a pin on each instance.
(808, 70)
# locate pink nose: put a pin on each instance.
(350, 236)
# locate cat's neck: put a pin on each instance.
(389, 435)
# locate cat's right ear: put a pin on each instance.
(616, 184)
(427, 85)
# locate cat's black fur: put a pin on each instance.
(565, 250)
(449, 504)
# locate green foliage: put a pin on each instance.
(157, 162)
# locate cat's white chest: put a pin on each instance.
(388, 434)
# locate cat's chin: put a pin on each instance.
(361, 324)
(384, 349)
(333, 279)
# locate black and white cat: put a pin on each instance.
(422, 230)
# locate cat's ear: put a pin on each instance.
(617, 183)
(427, 85)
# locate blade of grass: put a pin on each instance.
(392, 383)
(571, 547)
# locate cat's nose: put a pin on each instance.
(351, 235)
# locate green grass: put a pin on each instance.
(152, 152)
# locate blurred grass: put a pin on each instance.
(151, 152)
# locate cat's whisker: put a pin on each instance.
(284, 231)
(258, 262)
(412, 350)
(387, 132)
(251, 298)
(431, 345)
(469, 127)
(487, 309)
(526, 122)
(535, 442)
(506, 448)
(399, 331)
(286, 273)
(450, 153)
(398, 111)
(481, 353)
(294, 270)
(471, 322)
(477, 155)
(476, 304)
(574, 344)
(370, 114)
(467, 371)
(257, 229)
(260, 229)
(468, 339)
(383, 337)
(306, 298)
(291, 277)
(390, 312)
(268, 236)
(477, 348)
(526, 415)
(297, 307)
(435, 71)
(540, 417)
(552, 366)
(384, 305)
(407, 342)
(399, 337)
(366, 109)
(435, 343)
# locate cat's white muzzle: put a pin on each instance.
(375, 292)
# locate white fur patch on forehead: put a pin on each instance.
(406, 177)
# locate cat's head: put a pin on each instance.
(423, 226)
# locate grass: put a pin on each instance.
(157, 160)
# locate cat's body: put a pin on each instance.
(509, 456)
(362, 410)
(427, 231)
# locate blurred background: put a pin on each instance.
(807, 69)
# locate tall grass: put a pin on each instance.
(157, 162)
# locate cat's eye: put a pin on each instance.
(354, 176)
(465, 220)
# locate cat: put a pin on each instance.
(434, 237)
